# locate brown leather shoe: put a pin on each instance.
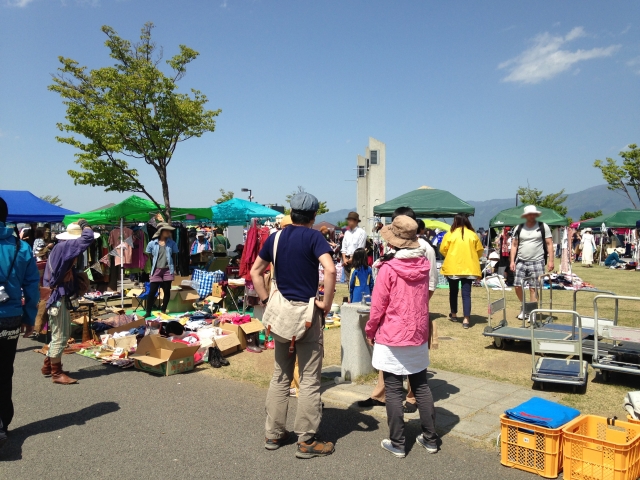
(314, 448)
(46, 368)
(58, 376)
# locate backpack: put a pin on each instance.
(541, 227)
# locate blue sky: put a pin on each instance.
(472, 97)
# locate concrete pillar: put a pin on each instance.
(356, 353)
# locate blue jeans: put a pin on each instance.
(454, 287)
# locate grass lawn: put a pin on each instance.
(471, 353)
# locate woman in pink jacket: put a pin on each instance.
(398, 330)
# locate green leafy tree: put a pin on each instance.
(624, 178)
(130, 112)
(533, 196)
(590, 215)
(225, 196)
(52, 199)
(287, 211)
(342, 223)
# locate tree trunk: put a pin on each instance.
(165, 195)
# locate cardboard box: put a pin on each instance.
(121, 328)
(158, 355)
(216, 290)
(182, 299)
(227, 344)
(202, 257)
(177, 280)
(243, 330)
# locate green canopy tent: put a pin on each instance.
(626, 218)
(237, 212)
(511, 217)
(135, 209)
(426, 202)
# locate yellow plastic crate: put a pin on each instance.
(632, 420)
(530, 448)
(597, 448)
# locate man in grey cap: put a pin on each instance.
(300, 250)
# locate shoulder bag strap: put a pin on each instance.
(275, 252)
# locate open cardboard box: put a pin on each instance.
(182, 299)
(124, 342)
(243, 330)
(228, 344)
(158, 355)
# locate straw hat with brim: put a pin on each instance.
(162, 226)
(402, 233)
(73, 231)
(529, 210)
(286, 221)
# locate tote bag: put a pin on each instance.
(281, 316)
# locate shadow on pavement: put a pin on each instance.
(13, 449)
(95, 371)
(337, 423)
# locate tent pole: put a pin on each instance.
(121, 263)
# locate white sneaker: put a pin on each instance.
(520, 315)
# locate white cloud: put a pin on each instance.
(224, 4)
(634, 63)
(17, 3)
(545, 58)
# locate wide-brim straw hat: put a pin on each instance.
(73, 232)
(402, 233)
(162, 226)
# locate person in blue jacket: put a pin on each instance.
(161, 248)
(19, 278)
(361, 281)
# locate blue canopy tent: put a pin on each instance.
(236, 212)
(25, 207)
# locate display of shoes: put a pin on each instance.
(214, 361)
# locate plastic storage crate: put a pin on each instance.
(530, 448)
(632, 420)
(598, 448)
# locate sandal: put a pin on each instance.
(452, 318)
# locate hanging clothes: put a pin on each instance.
(250, 251)
(127, 251)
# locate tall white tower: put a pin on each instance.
(371, 180)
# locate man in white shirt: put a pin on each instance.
(354, 238)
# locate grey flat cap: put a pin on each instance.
(304, 201)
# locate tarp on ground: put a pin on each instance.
(426, 202)
(511, 217)
(25, 207)
(626, 218)
(237, 212)
(134, 209)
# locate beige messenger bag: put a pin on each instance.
(282, 317)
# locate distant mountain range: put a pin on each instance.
(589, 200)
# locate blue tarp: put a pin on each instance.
(543, 413)
(25, 207)
(239, 212)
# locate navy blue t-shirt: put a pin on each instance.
(299, 249)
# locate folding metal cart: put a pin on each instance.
(565, 371)
(624, 353)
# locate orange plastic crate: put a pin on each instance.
(632, 420)
(530, 448)
(595, 449)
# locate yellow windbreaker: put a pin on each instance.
(462, 255)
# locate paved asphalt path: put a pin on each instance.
(130, 424)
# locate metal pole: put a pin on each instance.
(121, 263)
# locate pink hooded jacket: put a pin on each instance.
(400, 303)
